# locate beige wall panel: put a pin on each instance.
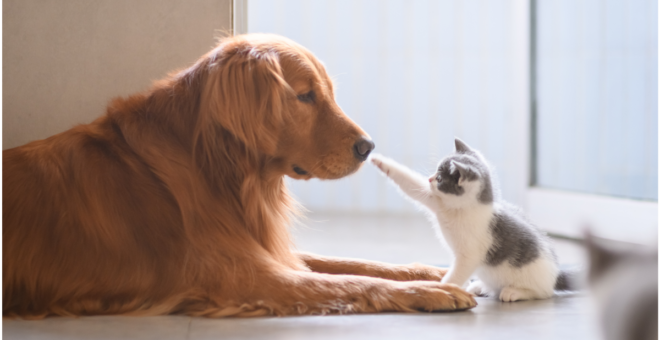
(64, 60)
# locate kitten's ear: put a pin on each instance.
(461, 147)
(466, 172)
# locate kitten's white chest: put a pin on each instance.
(466, 230)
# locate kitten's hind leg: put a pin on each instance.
(511, 294)
(477, 288)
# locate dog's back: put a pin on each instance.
(81, 214)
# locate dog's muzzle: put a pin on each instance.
(362, 148)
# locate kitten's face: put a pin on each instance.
(450, 184)
(462, 178)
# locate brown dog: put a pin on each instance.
(174, 201)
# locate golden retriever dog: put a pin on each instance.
(174, 201)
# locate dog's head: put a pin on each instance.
(277, 98)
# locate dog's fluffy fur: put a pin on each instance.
(174, 201)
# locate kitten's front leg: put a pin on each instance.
(411, 183)
(478, 288)
(461, 270)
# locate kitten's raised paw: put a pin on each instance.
(380, 162)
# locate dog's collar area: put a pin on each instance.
(299, 171)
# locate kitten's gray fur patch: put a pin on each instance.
(448, 180)
(514, 240)
(464, 170)
(486, 194)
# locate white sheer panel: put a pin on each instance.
(598, 96)
(413, 74)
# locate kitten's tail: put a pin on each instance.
(569, 279)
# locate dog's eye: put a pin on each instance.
(307, 97)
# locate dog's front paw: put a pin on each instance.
(433, 296)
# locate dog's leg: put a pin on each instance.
(338, 265)
(291, 292)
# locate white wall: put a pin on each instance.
(64, 60)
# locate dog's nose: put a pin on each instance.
(362, 148)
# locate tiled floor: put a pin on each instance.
(391, 239)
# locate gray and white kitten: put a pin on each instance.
(487, 236)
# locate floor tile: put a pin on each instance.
(98, 327)
(562, 317)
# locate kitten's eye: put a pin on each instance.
(307, 97)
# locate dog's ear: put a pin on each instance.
(245, 92)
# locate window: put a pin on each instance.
(597, 104)
(596, 96)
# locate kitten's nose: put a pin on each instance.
(362, 148)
